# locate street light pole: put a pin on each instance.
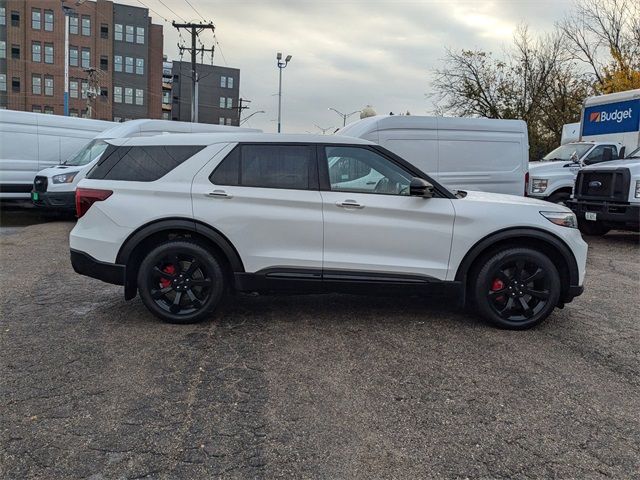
(344, 115)
(282, 64)
(68, 11)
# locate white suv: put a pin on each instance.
(182, 219)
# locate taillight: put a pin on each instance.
(85, 197)
(526, 184)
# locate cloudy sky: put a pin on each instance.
(347, 54)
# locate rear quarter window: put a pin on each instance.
(141, 163)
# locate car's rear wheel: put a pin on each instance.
(517, 288)
(181, 282)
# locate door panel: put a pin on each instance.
(269, 227)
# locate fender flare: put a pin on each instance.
(211, 234)
(513, 233)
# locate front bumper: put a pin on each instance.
(85, 264)
(59, 201)
(610, 213)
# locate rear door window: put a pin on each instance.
(141, 163)
(268, 166)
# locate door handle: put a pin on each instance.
(349, 204)
(219, 194)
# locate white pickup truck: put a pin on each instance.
(609, 127)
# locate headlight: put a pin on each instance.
(64, 178)
(538, 185)
(637, 188)
(564, 219)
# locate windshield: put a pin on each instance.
(564, 152)
(89, 152)
(634, 154)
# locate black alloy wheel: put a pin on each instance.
(180, 282)
(517, 288)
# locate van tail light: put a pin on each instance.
(526, 184)
(85, 197)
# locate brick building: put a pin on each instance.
(115, 59)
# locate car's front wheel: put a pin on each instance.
(517, 288)
(181, 282)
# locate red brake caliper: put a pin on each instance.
(497, 285)
(165, 282)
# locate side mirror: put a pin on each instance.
(420, 188)
(574, 158)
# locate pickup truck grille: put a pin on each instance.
(603, 185)
(40, 184)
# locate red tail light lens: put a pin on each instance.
(85, 197)
(526, 184)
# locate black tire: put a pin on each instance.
(181, 282)
(516, 288)
(559, 197)
(592, 228)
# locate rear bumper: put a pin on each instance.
(611, 213)
(61, 201)
(85, 264)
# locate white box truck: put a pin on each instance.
(608, 129)
(30, 142)
(463, 153)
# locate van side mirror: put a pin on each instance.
(419, 187)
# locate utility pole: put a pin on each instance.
(194, 29)
(242, 107)
(67, 11)
(92, 89)
(281, 64)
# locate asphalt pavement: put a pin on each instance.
(314, 386)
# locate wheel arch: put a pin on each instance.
(542, 240)
(152, 233)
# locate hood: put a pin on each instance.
(58, 169)
(631, 162)
(536, 168)
(502, 200)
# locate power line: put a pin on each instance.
(194, 9)
(152, 10)
(172, 11)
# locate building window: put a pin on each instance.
(36, 19)
(3, 82)
(117, 119)
(129, 33)
(15, 84)
(73, 88)
(166, 97)
(73, 113)
(104, 62)
(36, 85)
(117, 95)
(48, 110)
(230, 82)
(165, 116)
(73, 24)
(3, 17)
(228, 121)
(48, 86)
(221, 120)
(223, 102)
(128, 64)
(15, 18)
(104, 93)
(84, 88)
(229, 102)
(36, 52)
(223, 82)
(117, 63)
(117, 32)
(48, 53)
(139, 97)
(36, 108)
(86, 25)
(128, 95)
(15, 52)
(104, 30)
(48, 20)
(3, 49)
(140, 66)
(140, 35)
(73, 56)
(86, 57)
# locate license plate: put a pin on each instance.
(34, 196)
(590, 216)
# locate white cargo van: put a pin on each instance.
(54, 188)
(463, 153)
(30, 142)
(609, 128)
